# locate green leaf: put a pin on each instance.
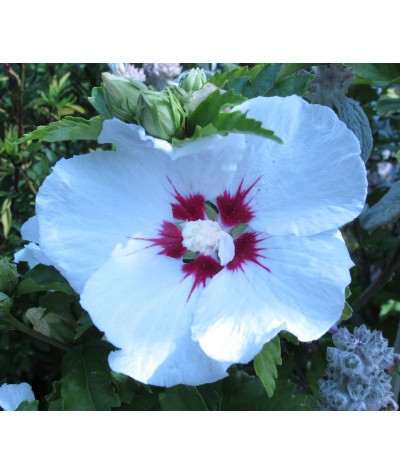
(291, 85)
(246, 393)
(225, 79)
(353, 115)
(69, 128)
(182, 398)
(87, 383)
(237, 122)
(263, 82)
(28, 406)
(390, 307)
(143, 402)
(265, 364)
(289, 337)
(347, 312)
(385, 211)
(230, 122)
(42, 278)
(289, 69)
(398, 155)
(84, 324)
(98, 101)
(377, 73)
(210, 107)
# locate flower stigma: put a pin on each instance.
(206, 236)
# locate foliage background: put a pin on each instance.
(71, 372)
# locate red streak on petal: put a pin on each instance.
(246, 249)
(233, 209)
(202, 268)
(170, 240)
(188, 208)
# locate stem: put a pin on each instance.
(28, 331)
(382, 280)
(21, 102)
(363, 255)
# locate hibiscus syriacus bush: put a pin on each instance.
(197, 256)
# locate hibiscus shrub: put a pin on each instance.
(212, 239)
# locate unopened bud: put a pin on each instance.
(160, 113)
(194, 80)
(122, 96)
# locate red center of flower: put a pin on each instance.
(233, 209)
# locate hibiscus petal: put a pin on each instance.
(298, 285)
(204, 166)
(207, 165)
(187, 364)
(314, 181)
(140, 300)
(30, 230)
(92, 202)
(11, 395)
(32, 254)
(128, 136)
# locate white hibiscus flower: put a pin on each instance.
(191, 258)
(11, 395)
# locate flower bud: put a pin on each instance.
(8, 277)
(200, 95)
(122, 96)
(160, 113)
(194, 80)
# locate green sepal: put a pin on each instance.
(265, 364)
(68, 128)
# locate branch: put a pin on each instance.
(28, 331)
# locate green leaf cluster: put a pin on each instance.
(69, 128)
(265, 80)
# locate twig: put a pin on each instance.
(382, 280)
(28, 331)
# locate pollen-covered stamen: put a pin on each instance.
(206, 237)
